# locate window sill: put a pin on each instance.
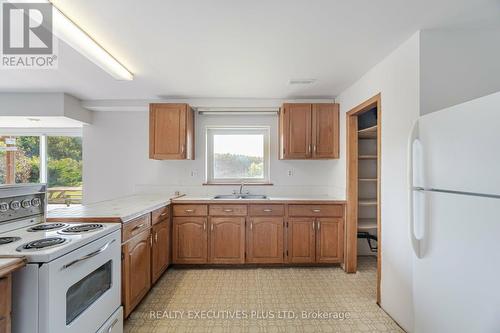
(238, 184)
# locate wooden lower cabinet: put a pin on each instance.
(329, 240)
(301, 245)
(227, 240)
(136, 270)
(190, 240)
(265, 240)
(160, 253)
(5, 303)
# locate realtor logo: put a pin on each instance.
(27, 39)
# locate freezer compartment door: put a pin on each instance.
(456, 282)
(461, 145)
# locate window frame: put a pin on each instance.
(210, 131)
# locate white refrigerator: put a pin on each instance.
(454, 195)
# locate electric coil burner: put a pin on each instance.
(7, 240)
(47, 227)
(42, 243)
(81, 228)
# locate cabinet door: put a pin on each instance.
(136, 270)
(227, 240)
(265, 240)
(189, 240)
(295, 131)
(171, 132)
(325, 131)
(301, 240)
(161, 249)
(329, 240)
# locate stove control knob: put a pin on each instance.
(15, 205)
(35, 202)
(4, 207)
(26, 203)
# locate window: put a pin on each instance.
(237, 155)
(55, 160)
(19, 159)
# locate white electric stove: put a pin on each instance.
(72, 281)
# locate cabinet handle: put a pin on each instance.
(228, 210)
(268, 210)
(309, 148)
(211, 227)
(182, 149)
(251, 225)
(319, 225)
(204, 225)
(138, 227)
(316, 210)
(314, 148)
(151, 240)
(189, 210)
(313, 225)
(156, 237)
(163, 214)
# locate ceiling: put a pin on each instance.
(235, 48)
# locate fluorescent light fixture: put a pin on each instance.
(67, 31)
(237, 111)
(301, 81)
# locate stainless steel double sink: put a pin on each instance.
(241, 197)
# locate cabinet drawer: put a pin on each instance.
(228, 210)
(135, 227)
(267, 210)
(190, 210)
(316, 210)
(160, 214)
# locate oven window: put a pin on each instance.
(82, 294)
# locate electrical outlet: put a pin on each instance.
(194, 173)
(290, 173)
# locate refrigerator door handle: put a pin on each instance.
(412, 141)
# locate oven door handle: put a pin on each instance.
(90, 255)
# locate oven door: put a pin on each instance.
(81, 290)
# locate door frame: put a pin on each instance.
(351, 256)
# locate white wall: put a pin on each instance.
(397, 79)
(116, 162)
(52, 109)
(458, 65)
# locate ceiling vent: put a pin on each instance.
(301, 81)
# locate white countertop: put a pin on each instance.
(269, 199)
(124, 208)
(8, 265)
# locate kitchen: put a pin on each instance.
(232, 189)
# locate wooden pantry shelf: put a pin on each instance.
(367, 202)
(368, 133)
(367, 223)
(367, 157)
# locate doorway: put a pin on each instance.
(363, 226)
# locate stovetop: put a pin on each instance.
(46, 245)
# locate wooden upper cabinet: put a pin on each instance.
(227, 240)
(301, 240)
(160, 255)
(309, 131)
(190, 240)
(171, 131)
(295, 131)
(265, 240)
(329, 240)
(325, 131)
